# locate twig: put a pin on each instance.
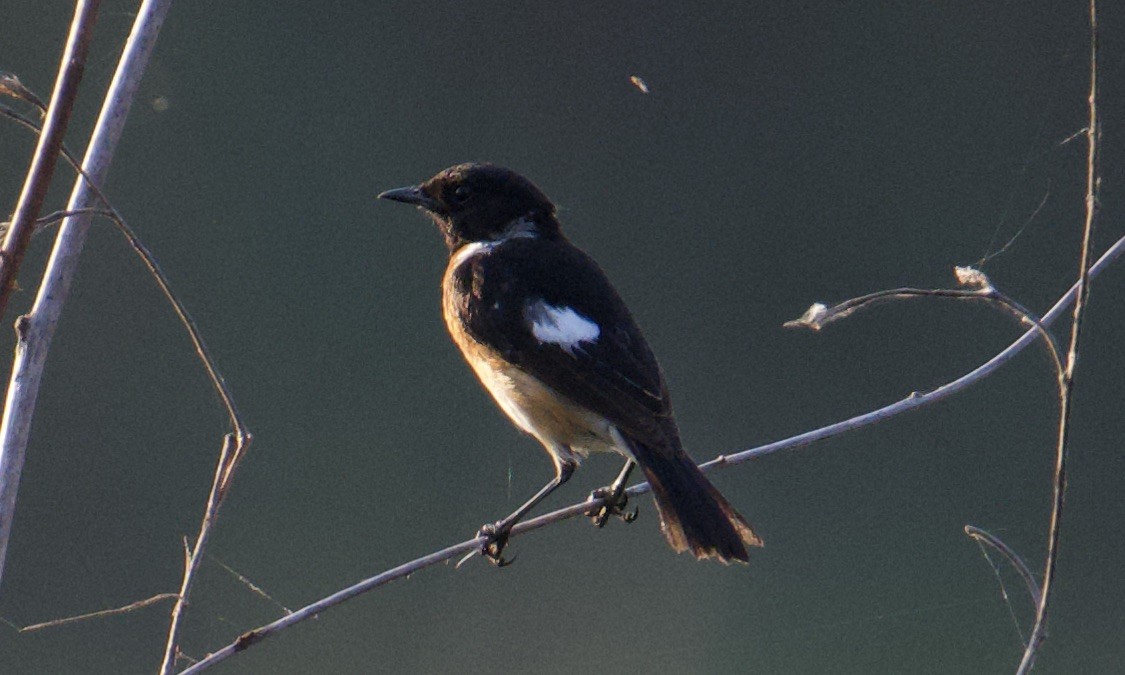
(99, 614)
(13, 433)
(145, 254)
(118, 99)
(818, 315)
(1038, 632)
(911, 402)
(214, 499)
(10, 85)
(149, 260)
(46, 154)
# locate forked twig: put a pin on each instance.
(195, 557)
(819, 315)
(37, 329)
(147, 257)
(240, 436)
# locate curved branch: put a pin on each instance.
(217, 380)
(109, 211)
(915, 400)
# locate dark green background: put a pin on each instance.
(787, 153)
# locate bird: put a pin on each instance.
(552, 341)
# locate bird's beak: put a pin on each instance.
(411, 195)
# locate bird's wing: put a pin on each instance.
(546, 307)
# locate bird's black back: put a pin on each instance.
(617, 376)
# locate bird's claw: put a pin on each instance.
(611, 505)
(493, 548)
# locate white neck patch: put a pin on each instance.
(520, 228)
(560, 326)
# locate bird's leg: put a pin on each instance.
(498, 532)
(613, 499)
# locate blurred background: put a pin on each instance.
(786, 153)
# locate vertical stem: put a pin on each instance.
(171, 647)
(13, 446)
(1038, 633)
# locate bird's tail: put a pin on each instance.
(694, 516)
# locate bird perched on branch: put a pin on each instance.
(551, 340)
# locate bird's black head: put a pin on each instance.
(481, 202)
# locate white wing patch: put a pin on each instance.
(560, 326)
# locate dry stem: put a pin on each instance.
(1038, 632)
(15, 427)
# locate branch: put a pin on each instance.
(1039, 631)
(13, 431)
(915, 400)
(109, 211)
(202, 351)
(46, 154)
(131, 607)
(192, 562)
(819, 315)
(118, 100)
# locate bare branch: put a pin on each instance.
(913, 401)
(46, 154)
(819, 315)
(149, 260)
(1039, 631)
(60, 272)
(99, 614)
(10, 85)
(13, 430)
(195, 556)
(235, 444)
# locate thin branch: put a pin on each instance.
(149, 260)
(913, 401)
(192, 562)
(37, 329)
(1039, 631)
(13, 444)
(819, 315)
(46, 154)
(100, 614)
(10, 85)
(68, 245)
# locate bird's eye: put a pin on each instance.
(461, 194)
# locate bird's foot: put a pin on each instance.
(613, 503)
(493, 548)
